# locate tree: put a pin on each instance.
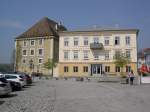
(121, 60)
(49, 65)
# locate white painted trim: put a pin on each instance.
(26, 43)
(26, 52)
(31, 41)
(30, 51)
(39, 41)
(38, 52)
(39, 59)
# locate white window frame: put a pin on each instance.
(107, 57)
(66, 69)
(23, 60)
(107, 69)
(117, 53)
(75, 69)
(128, 68)
(25, 41)
(39, 60)
(128, 40)
(117, 38)
(66, 57)
(40, 40)
(128, 53)
(96, 56)
(33, 50)
(117, 69)
(86, 41)
(31, 42)
(42, 52)
(85, 55)
(66, 41)
(107, 41)
(76, 39)
(85, 69)
(96, 40)
(75, 55)
(26, 52)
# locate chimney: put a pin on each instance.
(56, 27)
(60, 23)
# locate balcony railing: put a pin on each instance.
(96, 46)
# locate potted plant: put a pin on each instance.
(123, 79)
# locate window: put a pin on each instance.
(128, 68)
(76, 41)
(117, 53)
(117, 40)
(40, 60)
(128, 53)
(75, 69)
(96, 40)
(24, 61)
(106, 55)
(40, 41)
(24, 52)
(75, 54)
(117, 69)
(66, 55)
(86, 41)
(127, 40)
(96, 56)
(10, 77)
(32, 42)
(66, 69)
(106, 41)
(85, 69)
(31, 52)
(24, 43)
(66, 41)
(40, 52)
(107, 68)
(85, 54)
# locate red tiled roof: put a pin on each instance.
(45, 27)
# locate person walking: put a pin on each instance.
(131, 77)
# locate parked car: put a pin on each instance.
(26, 77)
(5, 87)
(16, 78)
(15, 86)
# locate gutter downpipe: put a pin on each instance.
(137, 57)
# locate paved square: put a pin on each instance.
(72, 96)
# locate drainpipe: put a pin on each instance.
(137, 54)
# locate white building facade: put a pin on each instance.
(90, 53)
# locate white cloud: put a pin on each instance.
(11, 24)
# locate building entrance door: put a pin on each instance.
(96, 69)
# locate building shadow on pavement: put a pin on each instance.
(9, 96)
(1, 102)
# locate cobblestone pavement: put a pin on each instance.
(72, 96)
(37, 98)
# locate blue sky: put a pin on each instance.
(16, 16)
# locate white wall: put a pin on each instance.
(111, 47)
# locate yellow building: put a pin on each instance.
(38, 44)
(79, 53)
(90, 52)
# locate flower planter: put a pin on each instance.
(123, 81)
